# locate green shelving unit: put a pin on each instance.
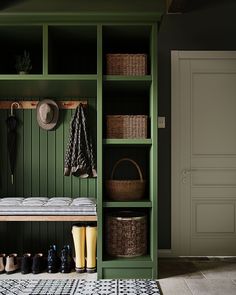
(68, 55)
(123, 95)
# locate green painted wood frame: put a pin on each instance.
(45, 144)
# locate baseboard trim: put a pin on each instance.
(165, 253)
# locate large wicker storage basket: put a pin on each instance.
(126, 234)
(125, 190)
(126, 64)
(126, 126)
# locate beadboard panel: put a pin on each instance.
(34, 237)
(40, 158)
(39, 171)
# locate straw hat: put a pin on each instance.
(47, 114)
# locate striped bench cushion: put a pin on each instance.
(47, 206)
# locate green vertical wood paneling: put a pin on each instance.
(27, 233)
(43, 156)
(83, 187)
(27, 153)
(39, 168)
(3, 233)
(39, 171)
(51, 163)
(67, 180)
(40, 158)
(35, 156)
(11, 186)
(4, 174)
(59, 150)
(19, 169)
(75, 186)
(35, 237)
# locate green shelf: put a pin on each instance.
(121, 78)
(138, 142)
(72, 77)
(127, 204)
(49, 77)
(140, 261)
(128, 86)
(22, 77)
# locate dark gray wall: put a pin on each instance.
(211, 25)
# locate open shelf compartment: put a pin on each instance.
(17, 39)
(144, 260)
(72, 49)
(127, 39)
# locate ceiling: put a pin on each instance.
(53, 6)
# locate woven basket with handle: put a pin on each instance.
(125, 190)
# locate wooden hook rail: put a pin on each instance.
(32, 104)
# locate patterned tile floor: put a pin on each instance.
(183, 276)
(78, 287)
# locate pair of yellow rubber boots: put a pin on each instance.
(85, 243)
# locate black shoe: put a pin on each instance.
(53, 260)
(66, 260)
(38, 265)
(26, 263)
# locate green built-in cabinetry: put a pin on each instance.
(125, 95)
(69, 62)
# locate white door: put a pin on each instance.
(203, 153)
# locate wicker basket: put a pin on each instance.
(125, 190)
(126, 64)
(126, 126)
(126, 234)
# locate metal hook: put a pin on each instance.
(12, 107)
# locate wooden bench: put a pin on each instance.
(48, 218)
(66, 210)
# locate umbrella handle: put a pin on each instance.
(12, 179)
(12, 107)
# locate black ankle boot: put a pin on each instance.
(26, 263)
(66, 260)
(53, 260)
(38, 264)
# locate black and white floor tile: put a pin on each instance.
(79, 287)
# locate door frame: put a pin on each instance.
(178, 248)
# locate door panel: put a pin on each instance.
(204, 168)
(213, 113)
(221, 219)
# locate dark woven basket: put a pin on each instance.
(126, 126)
(125, 190)
(126, 234)
(126, 64)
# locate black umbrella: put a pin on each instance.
(12, 138)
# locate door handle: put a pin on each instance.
(185, 174)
